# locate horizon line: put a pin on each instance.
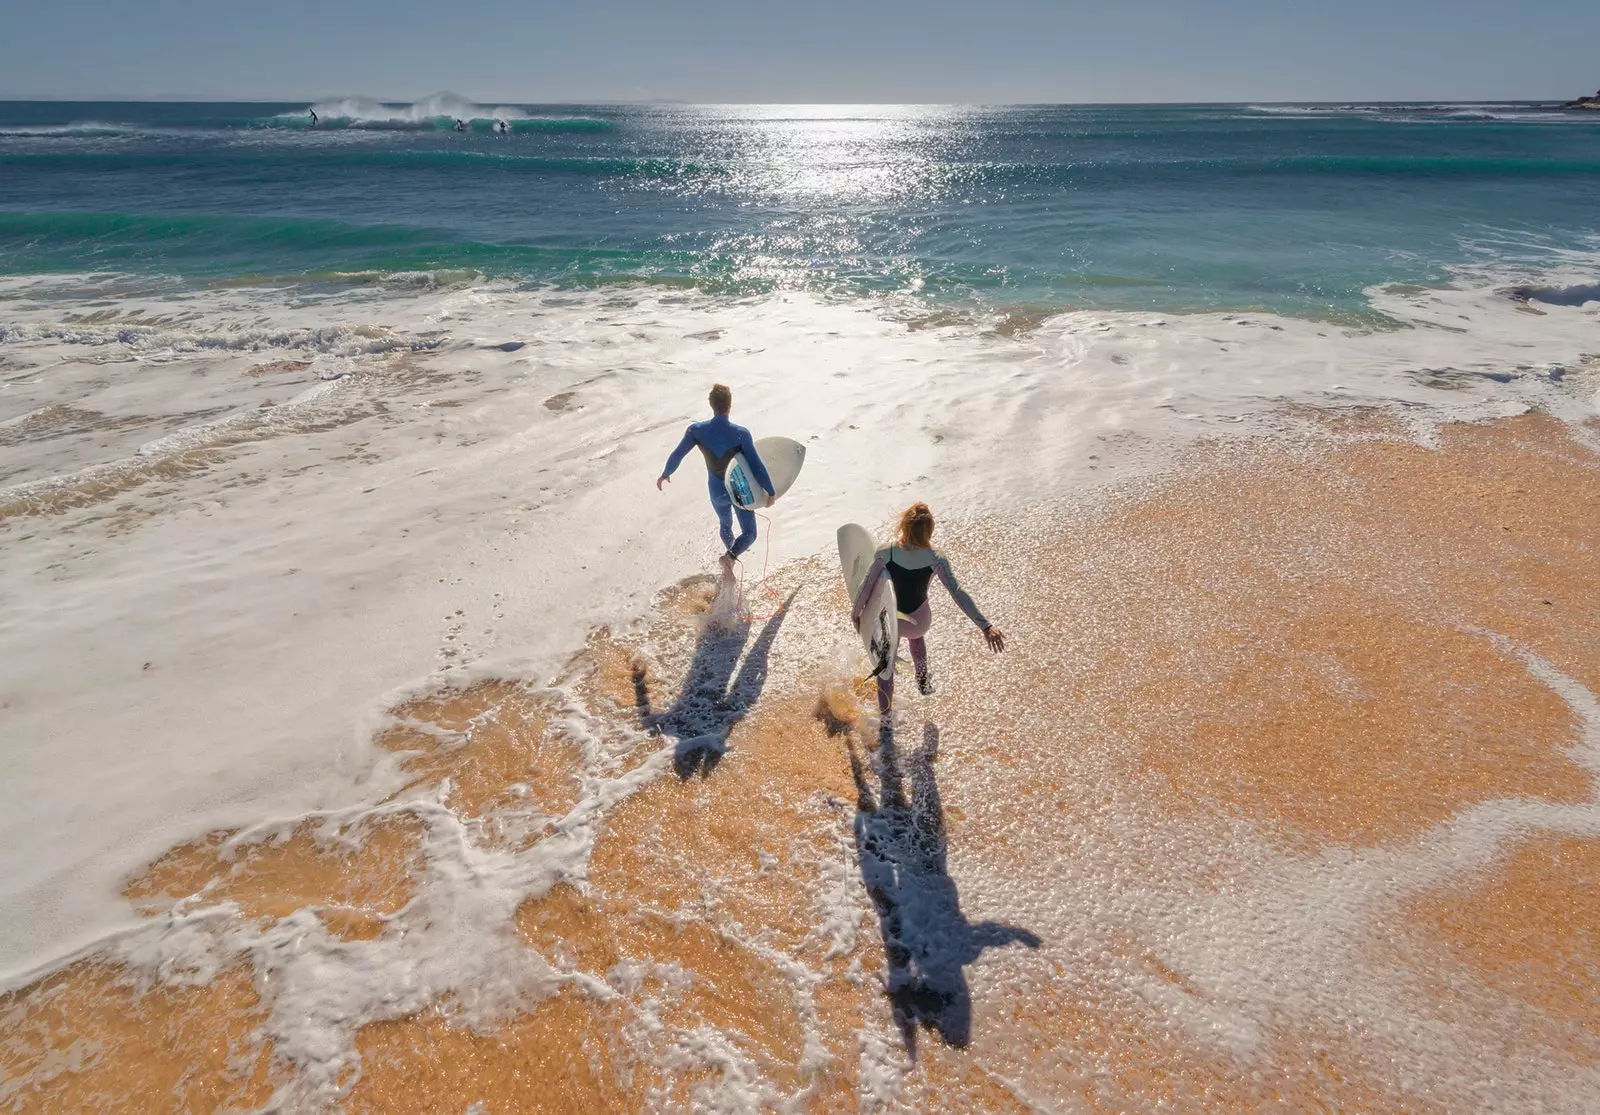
(260, 100)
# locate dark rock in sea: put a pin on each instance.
(1558, 295)
(508, 346)
(1585, 102)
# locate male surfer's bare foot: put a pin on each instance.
(726, 561)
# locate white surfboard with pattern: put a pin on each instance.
(783, 457)
(879, 623)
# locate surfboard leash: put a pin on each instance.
(766, 558)
(856, 687)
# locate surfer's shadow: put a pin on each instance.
(713, 698)
(928, 942)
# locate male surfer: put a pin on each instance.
(718, 440)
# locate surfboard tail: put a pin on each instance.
(883, 649)
(739, 487)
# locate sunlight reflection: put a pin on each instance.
(831, 176)
(852, 153)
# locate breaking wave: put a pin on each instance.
(438, 112)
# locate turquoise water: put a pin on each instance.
(1291, 208)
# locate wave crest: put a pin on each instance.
(439, 111)
(85, 128)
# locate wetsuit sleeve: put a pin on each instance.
(868, 582)
(679, 453)
(941, 566)
(758, 468)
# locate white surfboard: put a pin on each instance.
(783, 458)
(879, 626)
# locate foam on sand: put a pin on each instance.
(290, 546)
(824, 914)
(1255, 716)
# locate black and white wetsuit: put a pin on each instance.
(911, 571)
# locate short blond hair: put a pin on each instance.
(721, 398)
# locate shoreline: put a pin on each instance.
(957, 303)
(1130, 769)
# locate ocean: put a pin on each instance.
(1294, 209)
(376, 736)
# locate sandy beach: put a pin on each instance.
(1283, 796)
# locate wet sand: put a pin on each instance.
(1282, 797)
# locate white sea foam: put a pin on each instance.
(427, 112)
(366, 111)
(1301, 110)
(83, 128)
(426, 502)
(1397, 113)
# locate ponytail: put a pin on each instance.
(916, 527)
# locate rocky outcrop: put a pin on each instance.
(1585, 102)
(1579, 295)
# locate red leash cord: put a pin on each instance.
(766, 557)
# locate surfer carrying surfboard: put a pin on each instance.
(910, 564)
(720, 441)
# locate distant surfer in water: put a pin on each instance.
(718, 439)
(313, 117)
(461, 125)
(911, 564)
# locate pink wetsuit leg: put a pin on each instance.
(914, 627)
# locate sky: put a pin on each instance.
(977, 51)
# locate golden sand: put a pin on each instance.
(105, 484)
(1530, 929)
(1307, 640)
(1286, 653)
(277, 367)
(89, 1039)
(565, 1057)
(487, 746)
(352, 877)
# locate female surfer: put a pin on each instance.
(911, 564)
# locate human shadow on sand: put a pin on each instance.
(709, 704)
(926, 938)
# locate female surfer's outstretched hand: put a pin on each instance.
(662, 480)
(995, 637)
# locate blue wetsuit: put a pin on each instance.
(718, 440)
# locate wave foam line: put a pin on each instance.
(335, 340)
(441, 110)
